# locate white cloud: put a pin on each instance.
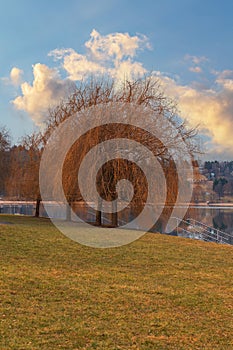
(115, 46)
(128, 70)
(16, 76)
(225, 79)
(76, 65)
(212, 109)
(111, 54)
(58, 54)
(197, 63)
(195, 69)
(46, 91)
(196, 59)
(209, 104)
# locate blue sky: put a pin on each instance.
(186, 43)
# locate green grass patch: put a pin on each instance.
(159, 292)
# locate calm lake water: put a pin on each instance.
(217, 217)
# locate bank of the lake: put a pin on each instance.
(159, 292)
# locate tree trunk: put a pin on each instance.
(98, 216)
(114, 214)
(37, 212)
(68, 211)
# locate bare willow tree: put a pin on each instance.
(144, 92)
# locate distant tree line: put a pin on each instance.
(219, 169)
(221, 172)
(5, 144)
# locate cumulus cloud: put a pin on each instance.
(111, 54)
(225, 79)
(210, 105)
(127, 70)
(212, 108)
(115, 46)
(76, 65)
(16, 76)
(46, 91)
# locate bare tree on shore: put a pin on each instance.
(146, 93)
(24, 163)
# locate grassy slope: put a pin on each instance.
(159, 292)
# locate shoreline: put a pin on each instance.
(181, 205)
(212, 205)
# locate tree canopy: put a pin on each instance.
(145, 93)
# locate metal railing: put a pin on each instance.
(192, 228)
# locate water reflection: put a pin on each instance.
(219, 218)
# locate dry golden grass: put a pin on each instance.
(159, 292)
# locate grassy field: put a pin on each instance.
(159, 292)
